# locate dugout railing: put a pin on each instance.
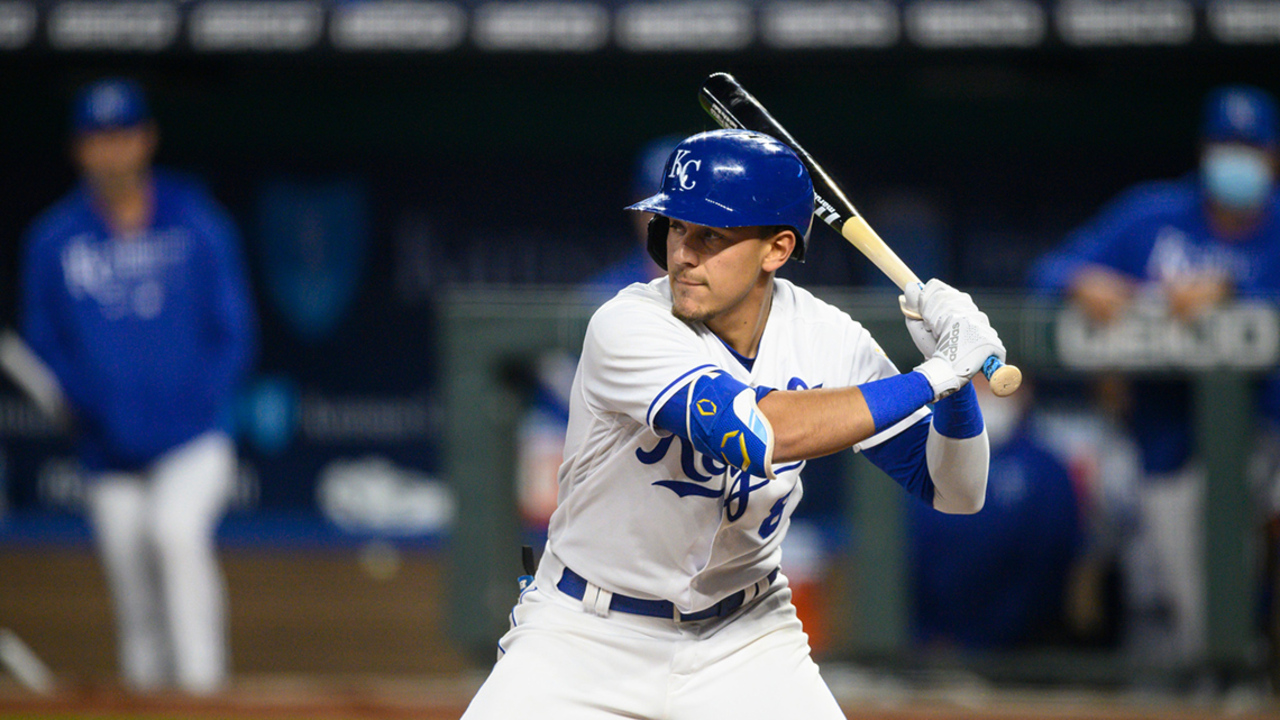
(489, 332)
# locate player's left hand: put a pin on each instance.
(961, 333)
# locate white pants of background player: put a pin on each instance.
(155, 531)
(562, 662)
(1166, 571)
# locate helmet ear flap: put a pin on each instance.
(658, 225)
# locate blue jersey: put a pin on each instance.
(997, 578)
(149, 334)
(1160, 230)
(1155, 232)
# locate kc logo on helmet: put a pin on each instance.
(680, 169)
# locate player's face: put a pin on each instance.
(110, 157)
(713, 271)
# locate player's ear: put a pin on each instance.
(780, 244)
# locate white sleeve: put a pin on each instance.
(635, 358)
(959, 471)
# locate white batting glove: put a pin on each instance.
(941, 376)
(963, 334)
(920, 334)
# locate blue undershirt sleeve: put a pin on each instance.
(902, 457)
(958, 416)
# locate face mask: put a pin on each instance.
(1236, 177)
(1002, 416)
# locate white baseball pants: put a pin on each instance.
(155, 533)
(562, 662)
(1166, 566)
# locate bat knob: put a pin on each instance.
(1004, 379)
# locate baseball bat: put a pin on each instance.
(731, 106)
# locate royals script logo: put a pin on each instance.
(680, 169)
(698, 472)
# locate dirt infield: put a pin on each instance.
(314, 635)
(445, 697)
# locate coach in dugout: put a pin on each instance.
(1191, 243)
(135, 295)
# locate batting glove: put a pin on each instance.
(942, 378)
(920, 333)
(962, 334)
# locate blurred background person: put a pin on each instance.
(540, 440)
(135, 294)
(1187, 244)
(1001, 578)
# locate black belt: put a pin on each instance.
(575, 586)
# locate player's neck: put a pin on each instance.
(742, 328)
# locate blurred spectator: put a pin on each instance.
(134, 293)
(540, 434)
(1000, 578)
(1189, 244)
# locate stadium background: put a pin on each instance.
(490, 146)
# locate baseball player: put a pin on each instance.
(135, 295)
(1190, 243)
(697, 401)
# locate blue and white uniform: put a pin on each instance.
(149, 334)
(1152, 234)
(659, 592)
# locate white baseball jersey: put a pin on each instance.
(640, 512)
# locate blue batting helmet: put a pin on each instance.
(731, 178)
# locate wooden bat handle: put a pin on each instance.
(1004, 379)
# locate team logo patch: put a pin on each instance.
(680, 169)
(741, 446)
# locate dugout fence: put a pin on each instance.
(487, 334)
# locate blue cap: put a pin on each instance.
(109, 104)
(1240, 113)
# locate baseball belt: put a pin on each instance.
(575, 586)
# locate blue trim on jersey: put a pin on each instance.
(761, 391)
(745, 361)
(902, 457)
(891, 400)
(666, 393)
(958, 415)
